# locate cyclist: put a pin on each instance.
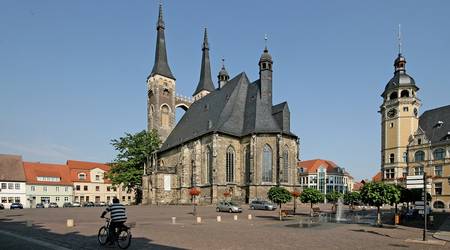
(118, 218)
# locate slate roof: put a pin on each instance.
(428, 122)
(205, 82)
(236, 109)
(400, 78)
(11, 168)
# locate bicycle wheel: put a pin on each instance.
(102, 235)
(124, 238)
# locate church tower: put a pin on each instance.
(161, 87)
(205, 84)
(399, 120)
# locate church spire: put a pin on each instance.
(161, 66)
(205, 83)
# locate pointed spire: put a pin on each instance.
(205, 82)
(161, 66)
(400, 61)
(265, 61)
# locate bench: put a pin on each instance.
(287, 212)
(316, 211)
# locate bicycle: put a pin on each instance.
(123, 235)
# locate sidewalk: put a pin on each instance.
(444, 231)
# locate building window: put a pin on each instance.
(405, 157)
(48, 178)
(439, 154)
(419, 156)
(438, 188)
(405, 109)
(17, 199)
(77, 187)
(391, 125)
(97, 188)
(85, 188)
(123, 198)
(57, 198)
(4, 200)
(405, 172)
(267, 164)
(418, 170)
(97, 177)
(17, 186)
(82, 176)
(165, 116)
(389, 173)
(66, 199)
(248, 175)
(391, 158)
(404, 93)
(438, 204)
(438, 170)
(66, 189)
(10, 199)
(209, 169)
(33, 188)
(10, 185)
(419, 141)
(44, 188)
(230, 164)
(285, 173)
(108, 188)
(3, 185)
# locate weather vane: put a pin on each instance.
(399, 38)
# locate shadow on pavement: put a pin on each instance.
(71, 240)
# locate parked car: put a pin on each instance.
(39, 205)
(102, 203)
(67, 204)
(262, 205)
(1, 206)
(76, 204)
(228, 206)
(88, 204)
(16, 205)
(53, 205)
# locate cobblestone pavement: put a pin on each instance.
(154, 229)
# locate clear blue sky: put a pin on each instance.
(72, 73)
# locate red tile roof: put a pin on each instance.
(357, 186)
(378, 177)
(311, 166)
(36, 169)
(77, 167)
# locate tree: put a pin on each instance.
(133, 152)
(352, 198)
(379, 193)
(279, 196)
(333, 197)
(313, 196)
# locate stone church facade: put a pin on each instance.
(231, 140)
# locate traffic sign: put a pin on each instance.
(414, 177)
(417, 186)
(414, 182)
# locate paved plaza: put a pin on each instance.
(153, 229)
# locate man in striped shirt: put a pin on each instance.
(118, 217)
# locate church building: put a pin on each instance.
(413, 144)
(231, 141)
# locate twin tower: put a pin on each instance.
(162, 99)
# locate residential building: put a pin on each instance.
(325, 176)
(12, 180)
(47, 183)
(413, 144)
(232, 138)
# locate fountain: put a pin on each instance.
(339, 211)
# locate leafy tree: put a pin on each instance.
(352, 198)
(279, 196)
(379, 193)
(333, 197)
(311, 195)
(133, 152)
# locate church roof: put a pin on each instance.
(205, 82)
(235, 109)
(436, 123)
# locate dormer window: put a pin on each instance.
(439, 124)
(82, 176)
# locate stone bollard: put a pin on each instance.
(70, 223)
(235, 217)
(29, 223)
(249, 216)
(174, 220)
(219, 218)
(199, 219)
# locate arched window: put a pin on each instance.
(419, 156)
(209, 165)
(267, 164)
(439, 154)
(405, 157)
(391, 158)
(230, 164)
(285, 173)
(394, 95)
(248, 178)
(438, 204)
(82, 176)
(404, 93)
(165, 116)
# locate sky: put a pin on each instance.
(73, 73)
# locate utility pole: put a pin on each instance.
(425, 206)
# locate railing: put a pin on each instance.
(184, 98)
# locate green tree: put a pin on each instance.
(279, 196)
(312, 196)
(128, 166)
(379, 193)
(333, 197)
(352, 198)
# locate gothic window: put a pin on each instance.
(394, 95)
(247, 164)
(166, 92)
(165, 116)
(267, 164)
(285, 165)
(439, 154)
(404, 93)
(391, 158)
(230, 164)
(419, 156)
(209, 160)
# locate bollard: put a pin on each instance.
(174, 219)
(70, 223)
(249, 216)
(29, 223)
(219, 219)
(199, 219)
(235, 217)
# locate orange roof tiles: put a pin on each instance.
(77, 167)
(311, 166)
(36, 169)
(378, 177)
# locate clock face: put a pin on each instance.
(415, 111)
(391, 113)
